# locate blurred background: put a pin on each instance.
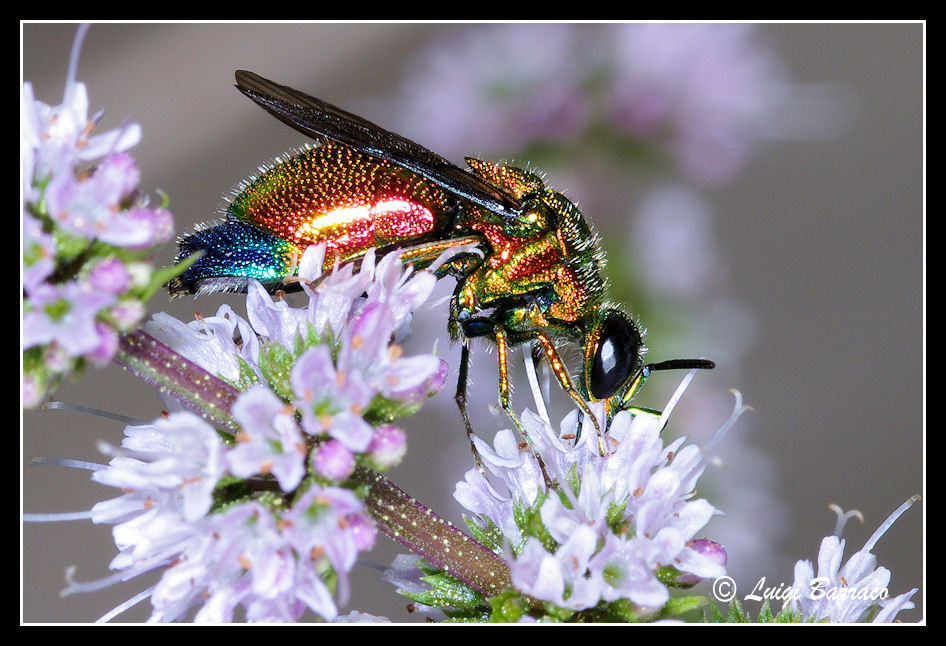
(759, 189)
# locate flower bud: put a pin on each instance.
(333, 460)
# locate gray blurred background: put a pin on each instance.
(823, 241)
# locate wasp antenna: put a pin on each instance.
(681, 364)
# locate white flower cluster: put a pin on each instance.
(262, 524)
(87, 237)
(615, 520)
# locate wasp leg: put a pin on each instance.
(561, 373)
(504, 399)
(506, 402)
(460, 398)
(421, 256)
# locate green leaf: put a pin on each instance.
(163, 275)
(448, 592)
(489, 535)
(247, 376)
(275, 362)
(530, 522)
(382, 410)
(678, 606)
(311, 339)
(508, 607)
(736, 614)
(616, 521)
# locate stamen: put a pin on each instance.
(124, 419)
(72, 464)
(890, 521)
(89, 586)
(74, 61)
(738, 409)
(113, 451)
(56, 518)
(843, 517)
(534, 385)
(676, 398)
(122, 607)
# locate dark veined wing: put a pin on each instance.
(317, 118)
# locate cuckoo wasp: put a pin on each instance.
(534, 273)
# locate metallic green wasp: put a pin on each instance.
(531, 270)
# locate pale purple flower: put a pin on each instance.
(34, 387)
(332, 399)
(39, 251)
(107, 345)
(847, 592)
(387, 448)
(626, 569)
(400, 288)
(64, 313)
(333, 460)
(180, 458)
(331, 303)
(336, 380)
(477, 495)
(87, 204)
(270, 562)
(270, 319)
(407, 577)
(208, 341)
(110, 275)
(704, 92)
(329, 521)
(561, 578)
(366, 349)
(517, 82)
(270, 440)
(126, 314)
(712, 550)
(356, 617)
(649, 483)
(57, 137)
(80, 202)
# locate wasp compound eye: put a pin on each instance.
(616, 356)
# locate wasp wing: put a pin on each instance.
(318, 119)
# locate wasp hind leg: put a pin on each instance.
(505, 401)
(460, 398)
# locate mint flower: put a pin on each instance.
(257, 516)
(270, 440)
(271, 558)
(256, 495)
(705, 93)
(850, 592)
(87, 237)
(610, 528)
(332, 399)
(701, 95)
(66, 314)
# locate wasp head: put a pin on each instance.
(614, 355)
